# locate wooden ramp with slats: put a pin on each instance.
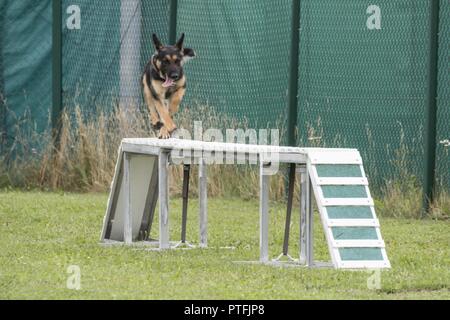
(346, 209)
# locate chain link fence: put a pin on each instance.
(443, 111)
(366, 88)
(363, 68)
(25, 67)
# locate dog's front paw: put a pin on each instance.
(164, 133)
(157, 125)
(170, 127)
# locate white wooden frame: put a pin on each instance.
(198, 152)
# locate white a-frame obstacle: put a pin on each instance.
(335, 178)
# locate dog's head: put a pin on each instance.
(169, 60)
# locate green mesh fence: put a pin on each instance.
(232, 39)
(104, 59)
(243, 56)
(364, 88)
(443, 112)
(358, 88)
(25, 67)
(3, 125)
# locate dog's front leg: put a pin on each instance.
(169, 125)
(150, 101)
(175, 100)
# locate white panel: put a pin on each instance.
(346, 202)
(353, 223)
(335, 157)
(358, 244)
(364, 265)
(141, 169)
(342, 181)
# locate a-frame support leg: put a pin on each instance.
(306, 219)
(185, 196)
(203, 203)
(128, 217)
(290, 197)
(163, 189)
(264, 213)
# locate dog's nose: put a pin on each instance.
(174, 75)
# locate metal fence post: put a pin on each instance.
(293, 80)
(293, 75)
(57, 106)
(430, 124)
(3, 122)
(173, 21)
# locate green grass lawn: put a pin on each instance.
(42, 234)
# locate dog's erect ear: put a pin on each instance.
(157, 42)
(188, 54)
(179, 43)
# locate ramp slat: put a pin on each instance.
(342, 181)
(358, 244)
(353, 223)
(335, 157)
(346, 202)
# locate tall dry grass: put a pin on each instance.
(86, 156)
(402, 194)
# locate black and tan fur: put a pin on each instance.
(163, 103)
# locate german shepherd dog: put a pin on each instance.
(164, 84)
